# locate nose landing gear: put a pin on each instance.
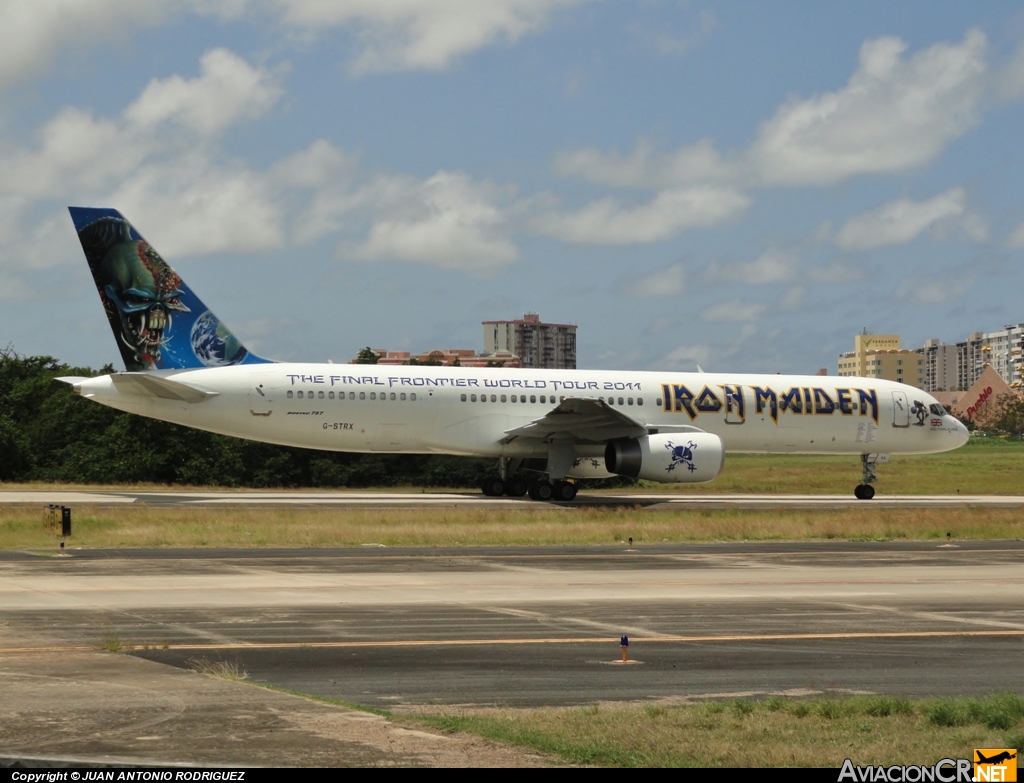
(864, 490)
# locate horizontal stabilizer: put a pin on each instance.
(148, 385)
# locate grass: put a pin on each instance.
(222, 670)
(111, 642)
(768, 733)
(243, 527)
(985, 466)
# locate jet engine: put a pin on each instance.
(671, 458)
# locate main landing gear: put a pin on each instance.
(541, 489)
(864, 490)
(514, 487)
(538, 489)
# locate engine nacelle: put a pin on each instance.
(671, 458)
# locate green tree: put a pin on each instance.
(1009, 414)
(366, 356)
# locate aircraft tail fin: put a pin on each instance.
(159, 324)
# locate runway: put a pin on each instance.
(349, 499)
(405, 628)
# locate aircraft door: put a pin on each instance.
(735, 413)
(900, 409)
(261, 394)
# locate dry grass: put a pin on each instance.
(771, 733)
(143, 526)
(224, 670)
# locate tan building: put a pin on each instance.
(979, 403)
(880, 356)
(536, 343)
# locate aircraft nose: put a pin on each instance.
(962, 434)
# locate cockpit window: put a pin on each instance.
(937, 410)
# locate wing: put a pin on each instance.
(587, 420)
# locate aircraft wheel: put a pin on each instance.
(565, 491)
(493, 487)
(541, 490)
(516, 487)
(864, 492)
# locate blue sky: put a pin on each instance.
(739, 185)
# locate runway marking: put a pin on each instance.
(781, 637)
(356, 585)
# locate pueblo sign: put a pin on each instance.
(980, 401)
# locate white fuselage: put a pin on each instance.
(454, 410)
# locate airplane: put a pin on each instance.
(996, 759)
(183, 365)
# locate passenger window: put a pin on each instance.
(362, 395)
(412, 396)
(639, 400)
(629, 401)
(533, 398)
(494, 398)
(472, 398)
(462, 397)
(320, 395)
(393, 396)
(503, 398)
(300, 394)
(290, 394)
(330, 395)
(401, 396)
(514, 398)
(620, 401)
(373, 395)
(352, 395)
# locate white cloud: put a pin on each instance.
(895, 113)
(34, 30)
(446, 221)
(227, 91)
(410, 34)
(793, 298)
(645, 168)
(14, 289)
(900, 221)
(836, 272)
(608, 222)
(190, 207)
(933, 289)
(661, 283)
(734, 310)
(1016, 238)
(685, 357)
(772, 266)
(174, 186)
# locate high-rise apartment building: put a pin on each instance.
(537, 344)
